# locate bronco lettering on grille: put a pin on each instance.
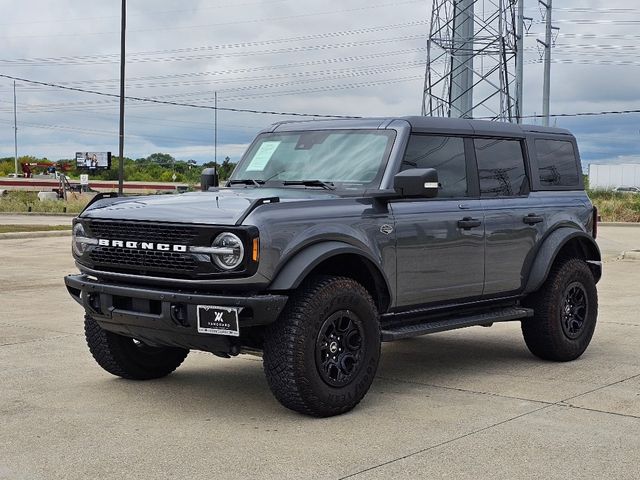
(163, 247)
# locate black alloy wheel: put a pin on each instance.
(574, 310)
(339, 348)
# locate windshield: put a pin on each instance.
(345, 158)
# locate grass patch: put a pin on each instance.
(616, 206)
(32, 228)
(23, 202)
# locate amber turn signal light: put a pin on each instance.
(255, 252)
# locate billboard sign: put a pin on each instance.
(93, 160)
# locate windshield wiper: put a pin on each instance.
(310, 183)
(246, 181)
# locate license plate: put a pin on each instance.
(218, 320)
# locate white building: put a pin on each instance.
(606, 177)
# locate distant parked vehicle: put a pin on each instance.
(15, 175)
(627, 189)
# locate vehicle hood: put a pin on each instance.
(226, 206)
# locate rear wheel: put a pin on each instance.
(130, 358)
(566, 308)
(321, 355)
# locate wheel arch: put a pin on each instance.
(561, 244)
(335, 258)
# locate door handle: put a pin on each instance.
(468, 223)
(532, 219)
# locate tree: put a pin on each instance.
(161, 158)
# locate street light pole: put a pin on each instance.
(121, 136)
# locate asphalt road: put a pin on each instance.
(466, 404)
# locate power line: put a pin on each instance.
(592, 10)
(198, 57)
(146, 14)
(87, 131)
(150, 81)
(178, 104)
(204, 48)
(221, 24)
(587, 114)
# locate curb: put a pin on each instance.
(631, 255)
(38, 214)
(22, 235)
(618, 224)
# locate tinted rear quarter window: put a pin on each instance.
(446, 155)
(557, 165)
(501, 167)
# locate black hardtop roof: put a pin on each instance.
(460, 126)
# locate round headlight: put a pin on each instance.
(78, 239)
(230, 251)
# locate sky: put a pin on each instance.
(361, 57)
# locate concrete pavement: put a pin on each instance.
(615, 239)
(34, 219)
(471, 403)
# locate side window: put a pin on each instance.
(501, 167)
(557, 165)
(446, 155)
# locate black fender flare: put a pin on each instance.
(549, 250)
(296, 269)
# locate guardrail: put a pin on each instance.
(43, 184)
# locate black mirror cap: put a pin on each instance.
(208, 179)
(417, 182)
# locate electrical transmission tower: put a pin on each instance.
(471, 60)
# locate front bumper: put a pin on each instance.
(167, 317)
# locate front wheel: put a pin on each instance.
(129, 358)
(566, 308)
(321, 355)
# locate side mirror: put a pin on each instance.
(208, 179)
(417, 182)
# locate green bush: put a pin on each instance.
(616, 206)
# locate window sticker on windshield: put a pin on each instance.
(262, 156)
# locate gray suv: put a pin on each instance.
(333, 236)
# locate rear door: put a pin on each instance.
(440, 241)
(513, 224)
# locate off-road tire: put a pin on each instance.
(126, 358)
(544, 333)
(290, 347)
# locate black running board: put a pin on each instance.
(504, 314)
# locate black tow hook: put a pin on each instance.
(179, 314)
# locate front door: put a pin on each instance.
(440, 241)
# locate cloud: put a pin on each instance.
(354, 58)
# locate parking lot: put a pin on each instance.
(472, 403)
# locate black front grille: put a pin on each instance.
(147, 232)
(143, 260)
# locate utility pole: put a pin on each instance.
(215, 133)
(546, 89)
(519, 60)
(461, 91)
(122, 62)
(215, 128)
(15, 129)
